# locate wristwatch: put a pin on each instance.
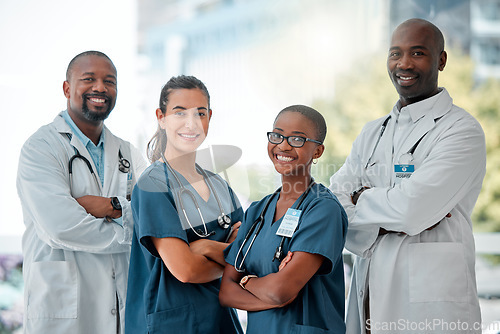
(244, 280)
(115, 203)
(355, 194)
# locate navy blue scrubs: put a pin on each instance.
(319, 307)
(156, 301)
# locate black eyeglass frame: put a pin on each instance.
(288, 139)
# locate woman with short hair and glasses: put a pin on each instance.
(285, 266)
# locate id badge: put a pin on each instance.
(404, 171)
(289, 223)
(129, 185)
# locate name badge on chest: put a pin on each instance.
(404, 171)
(289, 223)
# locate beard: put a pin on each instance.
(95, 116)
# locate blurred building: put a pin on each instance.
(485, 41)
(258, 56)
(472, 26)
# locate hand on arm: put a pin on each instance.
(213, 250)
(274, 290)
(383, 231)
(231, 294)
(184, 264)
(99, 207)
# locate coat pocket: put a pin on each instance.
(52, 290)
(437, 272)
(177, 320)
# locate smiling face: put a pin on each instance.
(185, 121)
(294, 161)
(415, 59)
(91, 89)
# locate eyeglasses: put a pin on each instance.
(294, 141)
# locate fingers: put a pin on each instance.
(284, 262)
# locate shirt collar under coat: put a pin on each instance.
(435, 106)
(111, 147)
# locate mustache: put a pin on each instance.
(94, 95)
(405, 73)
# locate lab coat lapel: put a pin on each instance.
(111, 148)
(422, 126)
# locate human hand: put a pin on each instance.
(99, 207)
(201, 246)
(284, 262)
(234, 232)
(356, 193)
(434, 226)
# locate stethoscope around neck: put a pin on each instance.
(123, 165)
(257, 227)
(404, 159)
(223, 219)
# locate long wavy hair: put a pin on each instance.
(158, 142)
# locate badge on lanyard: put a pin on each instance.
(130, 184)
(406, 168)
(289, 223)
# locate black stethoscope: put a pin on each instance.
(257, 227)
(382, 130)
(123, 164)
(223, 219)
(406, 158)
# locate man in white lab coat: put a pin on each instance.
(78, 219)
(409, 187)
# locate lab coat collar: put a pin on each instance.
(424, 115)
(435, 106)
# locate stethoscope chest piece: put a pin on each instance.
(224, 221)
(123, 164)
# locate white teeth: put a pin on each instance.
(188, 136)
(282, 158)
(406, 78)
(97, 100)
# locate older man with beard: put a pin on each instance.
(74, 181)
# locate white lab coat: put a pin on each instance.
(75, 265)
(423, 280)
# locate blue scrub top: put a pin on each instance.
(319, 307)
(156, 301)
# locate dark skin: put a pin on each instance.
(415, 58)
(294, 165)
(92, 81)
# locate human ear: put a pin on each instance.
(160, 116)
(442, 60)
(66, 89)
(319, 151)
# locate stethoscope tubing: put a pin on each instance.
(123, 165)
(223, 220)
(260, 221)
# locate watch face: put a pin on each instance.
(116, 203)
